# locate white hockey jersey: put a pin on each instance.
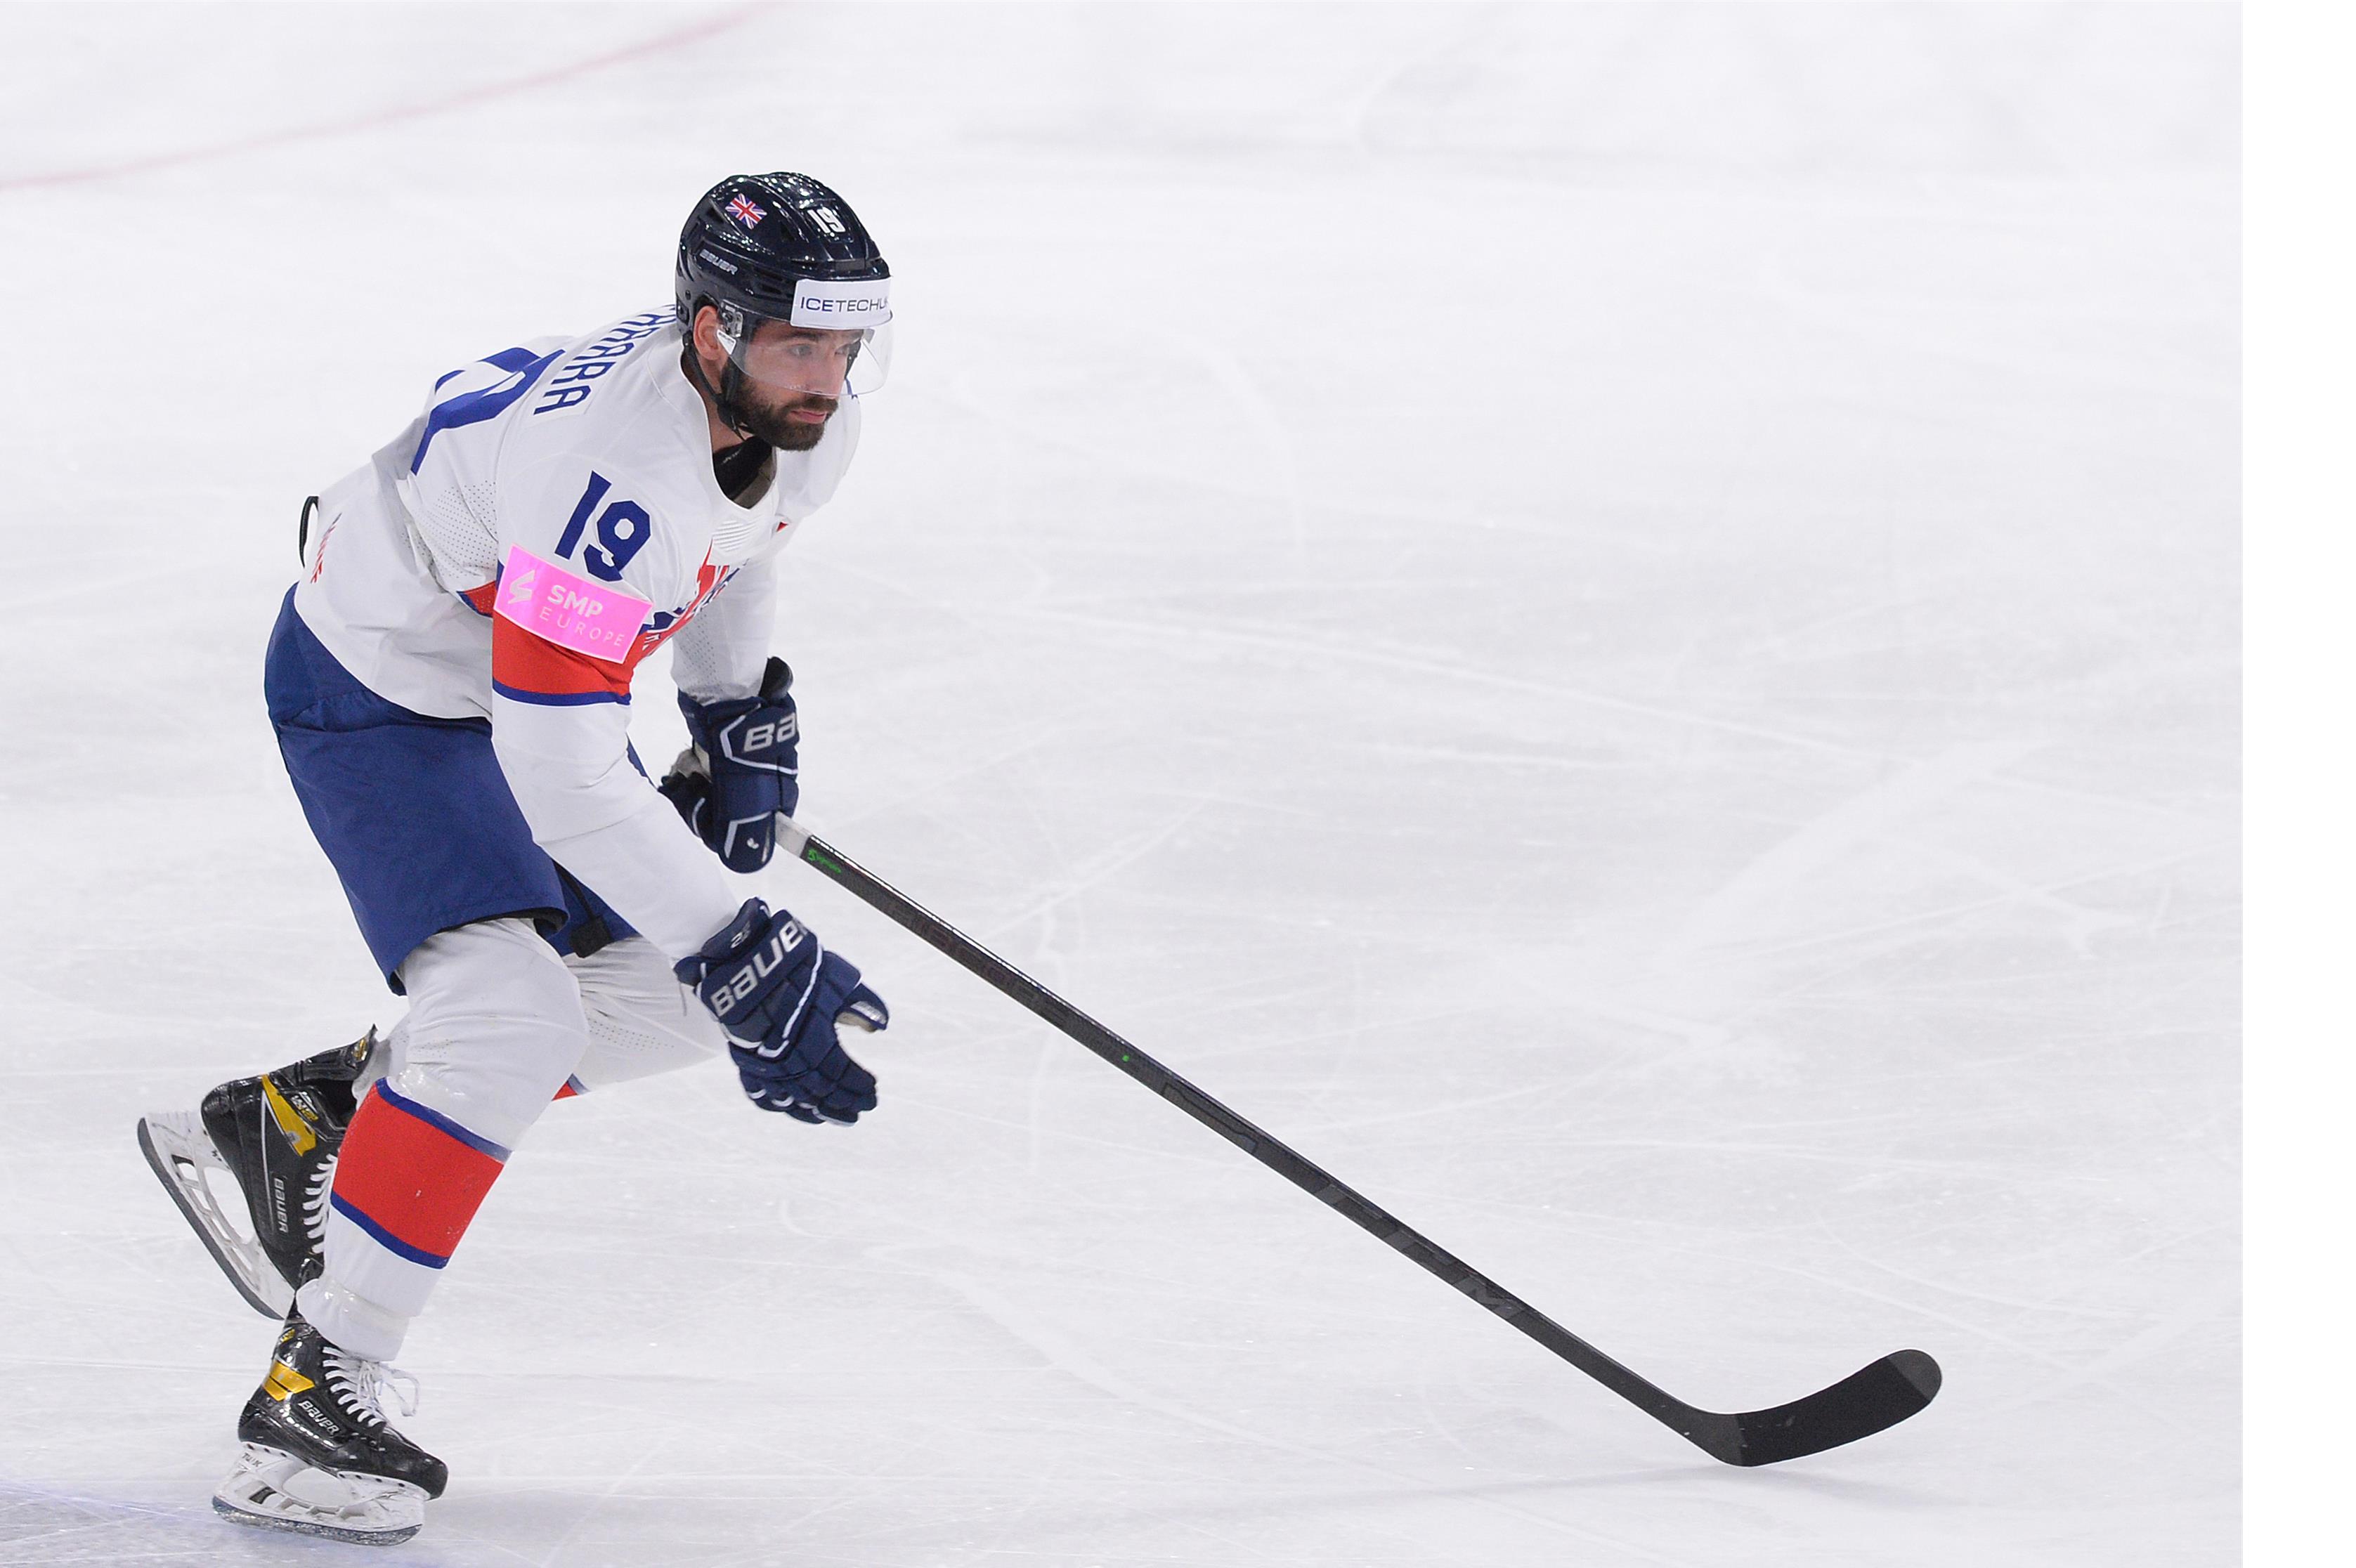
(548, 521)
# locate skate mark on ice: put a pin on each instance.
(2080, 923)
(608, 1494)
(1948, 1287)
(1062, 889)
(1413, 661)
(1067, 1359)
(1995, 1168)
(1752, 1261)
(1267, 422)
(2215, 1302)
(1434, 752)
(1212, 1156)
(41, 1526)
(1715, 920)
(1447, 1108)
(1905, 931)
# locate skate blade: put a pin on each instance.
(179, 1151)
(272, 1488)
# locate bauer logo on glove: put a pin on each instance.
(784, 1000)
(740, 774)
(787, 937)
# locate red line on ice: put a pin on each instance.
(466, 97)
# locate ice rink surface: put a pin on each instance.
(1619, 622)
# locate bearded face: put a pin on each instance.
(790, 422)
(791, 378)
(787, 380)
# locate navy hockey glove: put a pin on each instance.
(740, 777)
(780, 995)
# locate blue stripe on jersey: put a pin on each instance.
(557, 699)
(522, 367)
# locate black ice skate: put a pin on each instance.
(275, 1136)
(319, 1456)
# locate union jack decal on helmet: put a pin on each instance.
(744, 210)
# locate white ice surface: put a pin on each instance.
(1620, 622)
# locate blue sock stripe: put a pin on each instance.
(383, 1237)
(439, 1123)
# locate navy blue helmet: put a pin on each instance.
(783, 248)
(754, 240)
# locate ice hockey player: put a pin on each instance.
(449, 679)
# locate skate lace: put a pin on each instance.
(359, 1384)
(314, 1202)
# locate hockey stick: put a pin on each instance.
(1859, 1405)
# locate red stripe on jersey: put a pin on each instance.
(483, 598)
(523, 662)
(709, 580)
(410, 1178)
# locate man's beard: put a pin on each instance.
(768, 421)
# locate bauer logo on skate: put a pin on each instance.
(571, 612)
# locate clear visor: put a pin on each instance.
(783, 360)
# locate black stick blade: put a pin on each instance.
(1864, 1403)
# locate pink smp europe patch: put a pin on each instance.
(593, 618)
